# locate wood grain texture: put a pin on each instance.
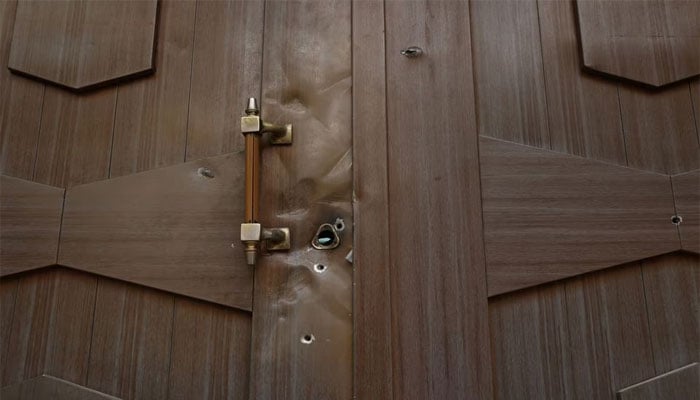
(695, 97)
(20, 108)
(608, 332)
(8, 295)
(82, 44)
(530, 351)
(653, 42)
(438, 291)
(672, 288)
(210, 352)
(686, 192)
(549, 215)
(307, 76)
(170, 228)
(52, 326)
(583, 110)
(226, 71)
(660, 132)
(31, 221)
(508, 73)
(49, 387)
(76, 137)
(131, 341)
(679, 384)
(150, 127)
(372, 341)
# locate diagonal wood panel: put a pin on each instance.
(686, 190)
(30, 220)
(49, 387)
(170, 228)
(679, 384)
(549, 215)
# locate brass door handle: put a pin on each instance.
(252, 232)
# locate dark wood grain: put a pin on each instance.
(550, 215)
(438, 290)
(226, 71)
(508, 73)
(31, 221)
(653, 42)
(131, 341)
(686, 192)
(530, 343)
(49, 387)
(660, 132)
(8, 295)
(210, 352)
(583, 110)
(672, 288)
(20, 108)
(682, 383)
(372, 312)
(81, 44)
(150, 126)
(695, 96)
(171, 228)
(52, 326)
(76, 137)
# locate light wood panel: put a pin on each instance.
(226, 71)
(653, 42)
(679, 384)
(49, 387)
(30, 215)
(210, 352)
(82, 44)
(372, 281)
(307, 74)
(672, 288)
(150, 127)
(131, 341)
(686, 191)
(549, 215)
(170, 228)
(76, 137)
(660, 132)
(438, 290)
(583, 110)
(508, 73)
(20, 108)
(51, 327)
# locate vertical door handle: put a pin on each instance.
(252, 232)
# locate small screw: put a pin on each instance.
(320, 268)
(307, 339)
(412, 52)
(676, 220)
(205, 172)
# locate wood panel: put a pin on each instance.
(695, 96)
(49, 387)
(686, 191)
(511, 98)
(8, 295)
(76, 137)
(82, 44)
(210, 352)
(583, 110)
(226, 71)
(660, 132)
(653, 42)
(307, 76)
(150, 127)
(438, 290)
(372, 281)
(672, 288)
(549, 215)
(171, 222)
(51, 328)
(679, 384)
(20, 108)
(530, 353)
(131, 341)
(31, 221)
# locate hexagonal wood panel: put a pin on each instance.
(83, 44)
(655, 42)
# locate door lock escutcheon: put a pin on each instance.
(252, 232)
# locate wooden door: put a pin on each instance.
(123, 195)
